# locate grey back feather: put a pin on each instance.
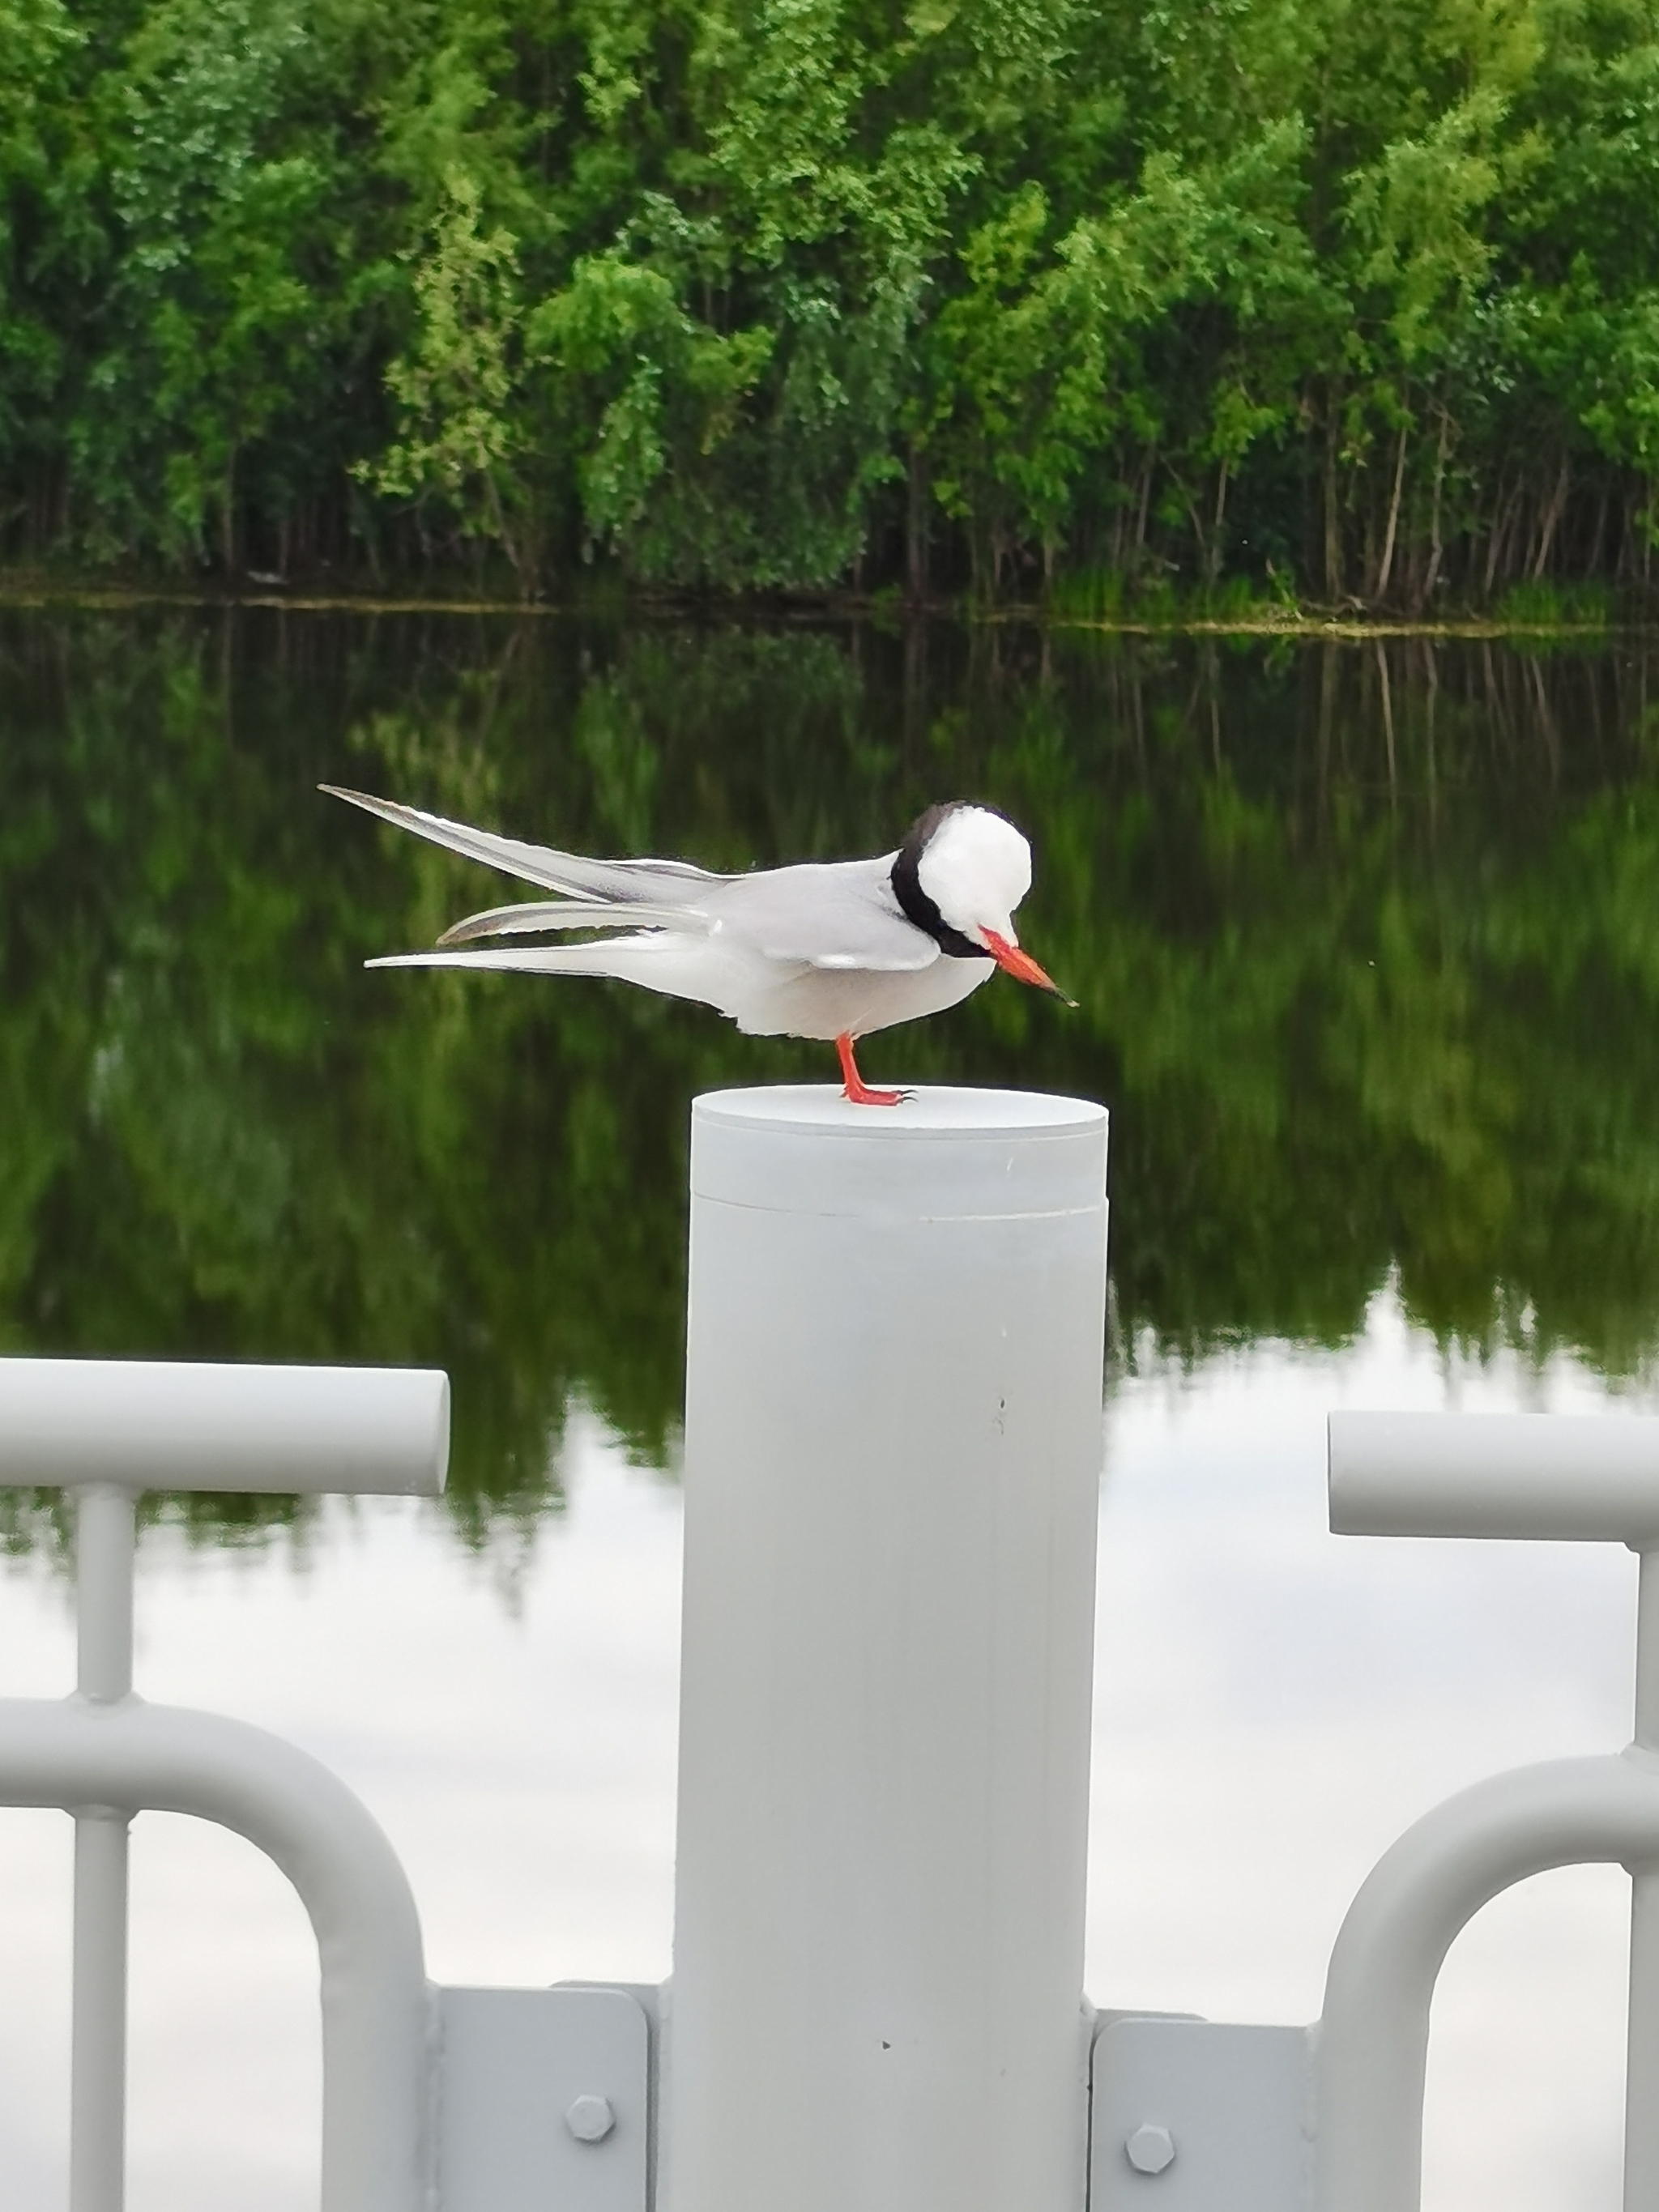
(628, 883)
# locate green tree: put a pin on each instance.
(459, 437)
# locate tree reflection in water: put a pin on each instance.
(1366, 937)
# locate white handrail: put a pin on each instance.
(181, 1424)
(1575, 1478)
(1498, 1475)
(132, 1757)
(1371, 2045)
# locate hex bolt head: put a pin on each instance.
(591, 2119)
(1149, 2148)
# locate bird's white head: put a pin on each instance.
(977, 868)
(959, 875)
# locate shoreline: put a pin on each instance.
(1301, 625)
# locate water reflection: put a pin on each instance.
(1364, 935)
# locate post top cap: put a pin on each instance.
(943, 1154)
(934, 1110)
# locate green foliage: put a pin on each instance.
(453, 385)
(1358, 306)
(1554, 607)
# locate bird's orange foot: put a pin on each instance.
(854, 1089)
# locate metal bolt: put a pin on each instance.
(591, 2119)
(1150, 2148)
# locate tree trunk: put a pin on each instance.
(1502, 523)
(1197, 521)
(1385, 566)
(1435, 547)
(1220, 516)
(228, 517)
(1333, 520)
(1147, 467)
(1552, 517)
(1598, 535)
(915, 528)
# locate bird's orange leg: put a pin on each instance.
(855, 1090)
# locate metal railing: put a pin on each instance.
(105, 1432)
(1574, 1479)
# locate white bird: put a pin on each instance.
(824, 948)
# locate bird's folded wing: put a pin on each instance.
(527, 918)
(838, 914)
(518, 959)
(629, 882)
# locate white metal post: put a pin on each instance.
(892, 1453)
(104, 1542)
(1642, 2060)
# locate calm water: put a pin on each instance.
(1367, 944)
(1365, 937)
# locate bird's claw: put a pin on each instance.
(864, 1096)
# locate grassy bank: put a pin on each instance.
(1578, 612)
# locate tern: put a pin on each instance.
(832, 949)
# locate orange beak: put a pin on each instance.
(1021, 966)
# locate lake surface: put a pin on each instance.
(1366, 941)
(1364, 937)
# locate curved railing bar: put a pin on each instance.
(1372, 2044)
(131, 1756)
